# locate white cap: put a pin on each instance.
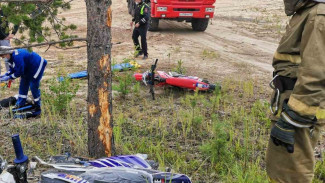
(6, 50)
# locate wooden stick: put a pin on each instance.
(46, 43)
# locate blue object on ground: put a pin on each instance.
(121, 67)
(23, 109)
(121, 161)
(84, 74)
(115, 169)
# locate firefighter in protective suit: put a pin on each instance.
(298, 101)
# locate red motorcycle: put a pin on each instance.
(172, 79)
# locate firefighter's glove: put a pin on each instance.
(283, 131)
(4, 78)
(282, 134)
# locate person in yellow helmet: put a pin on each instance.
(298, 101)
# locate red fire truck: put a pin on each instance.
(198, 12)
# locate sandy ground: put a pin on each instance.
(241, 35)
(238, 44)
(239, 41)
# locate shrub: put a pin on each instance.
(124, 84)
(180, 68)
(60, 94)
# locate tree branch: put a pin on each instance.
(69, 48)
(48, 43)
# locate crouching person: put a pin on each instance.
(29, 66)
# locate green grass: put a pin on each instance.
(211, 137)
(208, 136)
(211, 54)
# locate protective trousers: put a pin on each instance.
(27, 82)
(140, 31)
(298, 167)
(301, 56)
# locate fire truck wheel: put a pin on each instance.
(154, 23)
(200, 24)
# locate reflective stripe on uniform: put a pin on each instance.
(294, 123)
(142, 8)
(302, 108)
(13, 76)
(39, 68)
(296, 59)
(37, 99)
(22, 96)
(320, 114)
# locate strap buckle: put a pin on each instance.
(276, 99)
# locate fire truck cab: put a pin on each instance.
(198, 12)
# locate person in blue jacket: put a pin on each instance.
(29, 66)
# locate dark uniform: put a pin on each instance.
(141, 16)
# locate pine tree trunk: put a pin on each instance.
(100, 121)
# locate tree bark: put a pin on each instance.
(100, 121)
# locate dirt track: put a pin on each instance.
(242, 37)
(239, 42)
(242, 32)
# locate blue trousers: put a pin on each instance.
(29, 82)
